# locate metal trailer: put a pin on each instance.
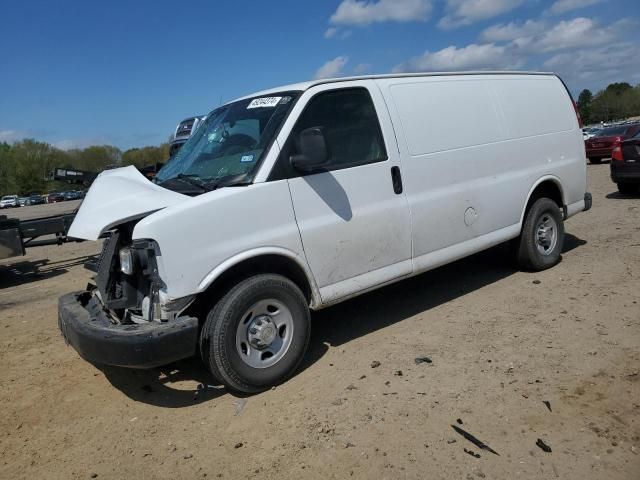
(16, 235)
(80, 177)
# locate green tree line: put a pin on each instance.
(616, 102)
(26, 166)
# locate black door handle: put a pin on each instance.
(396, 180)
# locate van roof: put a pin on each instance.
(311, 83)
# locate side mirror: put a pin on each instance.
(313, 150)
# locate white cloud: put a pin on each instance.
(332, 68)
(594, 68)
(579, 32)
(364, 12)
(335, 32)
(466, 12)
(535, 37)
(512, 31)
(472, 57)
(70, 144)
(562, 6)
(585, 53)
(11, 136)
(330, 32)
(361, 68)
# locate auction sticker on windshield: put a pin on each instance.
(264, 102)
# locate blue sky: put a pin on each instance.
(78, 72)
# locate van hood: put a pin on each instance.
(118, 196)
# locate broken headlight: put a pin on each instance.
(127, 261)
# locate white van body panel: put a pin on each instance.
(261, 252)
(117, 196)
(471, 149)
(341, 211)
(198, 236)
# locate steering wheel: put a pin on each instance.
(237, 143)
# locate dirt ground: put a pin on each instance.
(501, 343)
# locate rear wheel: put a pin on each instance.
(595, 160)
(540, 242)
(257, 334)
(627, 188)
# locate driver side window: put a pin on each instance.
(351, 129)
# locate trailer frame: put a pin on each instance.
(16, 235)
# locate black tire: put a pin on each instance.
(627, 188)
(218, 336)
(595, 160)
(528, 256)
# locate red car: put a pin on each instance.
(55, 197)
(600, 146)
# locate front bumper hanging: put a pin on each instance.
(86, 327)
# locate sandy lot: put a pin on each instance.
(502, 342)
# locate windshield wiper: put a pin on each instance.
(228, 181)
(192, 180)
(208, 186)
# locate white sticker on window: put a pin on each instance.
(269, 102)
(246, 158)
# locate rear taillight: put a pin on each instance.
(575, 108)
(616, 153)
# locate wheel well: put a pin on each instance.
(271, 263)
(546, 189)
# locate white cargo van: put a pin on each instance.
(300, 197)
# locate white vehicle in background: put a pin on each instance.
(9, 201)
(183, 131)
(299, 197)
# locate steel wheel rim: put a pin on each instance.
(264, 333)
(546, 234)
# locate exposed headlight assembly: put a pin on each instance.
(127, 263)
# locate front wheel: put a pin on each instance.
(257, 334)
(595, 160)
(540, 242)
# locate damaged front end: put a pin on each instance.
(126, 318)
(127, 280)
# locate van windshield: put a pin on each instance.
(230, 143)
